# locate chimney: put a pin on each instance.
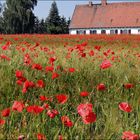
(90, 3)
(104, 2)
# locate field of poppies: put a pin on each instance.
(69, 87)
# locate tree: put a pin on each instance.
(18, 16)
(40, 26)
(64, 25)
(53, 20)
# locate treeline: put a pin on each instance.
(17, 17)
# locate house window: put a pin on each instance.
(93, 32)
(81, 32)
(103, 31)
(84, 32)
(129, 31)
(112, 32)
(77, 32)
(116, 31)
(124, 31)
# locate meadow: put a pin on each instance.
(81, 87)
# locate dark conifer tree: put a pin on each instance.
(53, 20)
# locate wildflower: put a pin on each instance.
(105, 64)
(128, 85)
(37, 66)
(101, 87)
(21, 137)
(43, 98)
(5, 57)
(84, 94)
(71, 70)
(52, 113)
(49, 68)
(128, 135)
(41, 136)
(61, 98)
(66, 121)
(2, 122)
(19, 74)
(84, 109)
(18, 106)
(90, 118)
(40, 83)
(55, 75)
(5, 112)
(125, 107)
(60, 137)
(91, 53)
(35, 109)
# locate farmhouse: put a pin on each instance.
(106, 18)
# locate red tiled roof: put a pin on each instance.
(125, 14)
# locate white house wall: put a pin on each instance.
(72, 32)
(87, 31)
(134, 31)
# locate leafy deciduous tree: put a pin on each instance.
(18, 16)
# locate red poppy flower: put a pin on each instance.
(6, 46)
(84, 109)
(5, 112)
(61, 98)
(101, 87)
(5, 57)
(24, 90)
(35, 109)
(91, 53)
(18, 106)
(97, 48)
(128, 135)
(66, 121)
(27, 84)
(71, 70)
(37, 66)
(128, 85)
(52, 113)
(125, 107)
(60, 137)
(27, 59)
(19, 82)
(46, 106)
(43, 98)
(41, 136)
(49, 68)
(90, 118)
(84, 94)
(105, 64)
(51, 60)
(19, 74)
(55, 75)
(2, 122)
(40, 84)
(21, 137)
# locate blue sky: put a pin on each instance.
(65, 7)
